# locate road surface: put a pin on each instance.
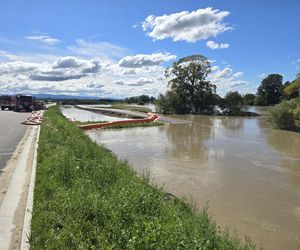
(11, 133)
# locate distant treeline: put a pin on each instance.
(84, 101)
(140, 100)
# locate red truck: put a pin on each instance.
(7, 101)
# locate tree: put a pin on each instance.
(141, 100)
(233, 102)
(248, 99)
(292, 90)
(189, 91)
(270, 91)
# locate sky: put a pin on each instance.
(121, 48)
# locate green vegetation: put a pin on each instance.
(134, 125)
(87, 122)
(232, 103)
(270, 91)
(286, 115)
(189, 91)
(85, 198)
(131, 108)
(248, 99)
(292, 90)
(140, 100)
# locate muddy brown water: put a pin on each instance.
(247, 172)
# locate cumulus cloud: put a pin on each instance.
(223, 73)
(17, 67)
(214, 45)
(226, 79)
(66, 68)
(187, 26)
(82, 75)
(142, 60)
(44, 39)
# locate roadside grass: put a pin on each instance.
(85, 198)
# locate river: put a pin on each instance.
(246, 172)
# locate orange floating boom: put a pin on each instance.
(151, 118)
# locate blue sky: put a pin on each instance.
(119, 48)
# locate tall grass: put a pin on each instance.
(85, 198)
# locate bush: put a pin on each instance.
(286, 115)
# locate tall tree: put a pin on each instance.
(189, 89)
(270, 90)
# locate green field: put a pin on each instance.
(85, 198)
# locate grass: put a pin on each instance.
(134, 125)
(78, 123)
(131, 108)
(85, 198)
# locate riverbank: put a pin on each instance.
(85, 198)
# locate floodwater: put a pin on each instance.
(247, 173)
(86, 116)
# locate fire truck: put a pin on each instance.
(7, 101)
(24, 103)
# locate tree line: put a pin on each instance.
(189, 91)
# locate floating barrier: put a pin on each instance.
(34, 119)
(152, 117)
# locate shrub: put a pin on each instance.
(286, 115)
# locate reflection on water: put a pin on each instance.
(83, 115)
(249, 173)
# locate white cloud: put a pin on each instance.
(141, 60)
(18, 67)
(44, 39)
(187, 26)
(103, 50)
(83, 68)
(225, 79)
(62, 69)
(66, 68)
(223, 73)
(214, 45)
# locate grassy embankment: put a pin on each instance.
(85, 198)
(129, 107)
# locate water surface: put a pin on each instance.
(85, 116)
(247, 172)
